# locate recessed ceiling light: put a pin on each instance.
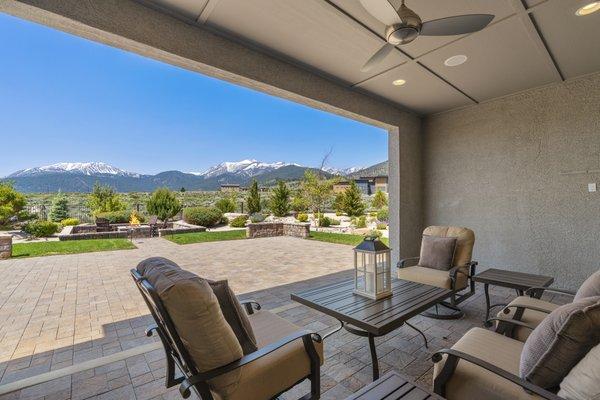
(455, 60)
(399, 82)
(588, 9)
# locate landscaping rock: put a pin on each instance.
(5, 247)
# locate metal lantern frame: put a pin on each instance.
(372, 269)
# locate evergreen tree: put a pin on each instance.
(164, 204)
(182, 190)
(317, 190)
(104, 199)
(379, 199)
(60, 208)
(338, 202)
(280, 200)
(353, 204)
(253, 198)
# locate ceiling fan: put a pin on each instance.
(404, 26)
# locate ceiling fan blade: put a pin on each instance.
(377, 57)
(382, 10)
(456, 25)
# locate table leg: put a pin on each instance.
(486, 289)
(374, 361)
(420, 333)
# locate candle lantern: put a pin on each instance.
(372, 269)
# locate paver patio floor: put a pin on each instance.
(61, 311)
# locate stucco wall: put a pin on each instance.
(514, 170)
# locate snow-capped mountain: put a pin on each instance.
(84, 168)
(242, 168)
(342, 171)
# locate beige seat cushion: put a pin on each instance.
(472, 382)
(271, 374)
(583, 382)
(530, 317)
(430, 276)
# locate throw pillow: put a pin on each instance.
(437, 252)
(590, 287)
(583, 382)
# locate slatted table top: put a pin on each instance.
(512, 279)
(377, 317)
(393, 386)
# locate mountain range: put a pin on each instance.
(81, 176)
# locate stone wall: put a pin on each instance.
(270, 229)
(94, 235)
(5, 246)
(174, 231)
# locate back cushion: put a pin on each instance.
(560, 341)
(583, 382)
(465, 240)
(590, 287)
(437, 252)
(196, 314)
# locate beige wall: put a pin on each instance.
(514, 170)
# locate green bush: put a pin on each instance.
(302, 217)
(239, 221)
(256, 217)
(360, 222)
(339, 213)
(69, 222)
(164, 204)
(318, 215)
(373, 233)
(41, 228)
(204, 216)
(25, 215)
(11, 202)
(120, 217)
(382, 226)
(334, 222)
(226, 205)
(324, 221)
(299, 203)
(373, 214)
(383, 215)
(104, 199)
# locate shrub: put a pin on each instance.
(256, 217)
(239, 221)
(302, 217)
(324, 222)
(383, 214)
(299, 203)
(360, 222)
(120, 217)
(204, 216)
(11, 202)
(353, 204)
(253, 199)
(280, 200)
(334, 222)
(104, 199)
(339, 213)
(318, 215)
(382, 226)
(60, 208)
(41, 228)
(338, 203)
(25, 215)
(379, 199)
(69, 222)
(373, 233)
(373, 214)
(226, 205)
(164, 204)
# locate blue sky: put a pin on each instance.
(64, 98)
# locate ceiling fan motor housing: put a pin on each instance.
(407, 30)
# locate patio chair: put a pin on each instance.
(454, 275)
(560, 357)
(531, 310)
(285, 356)
(153, 223)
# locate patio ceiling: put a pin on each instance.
(529, 43)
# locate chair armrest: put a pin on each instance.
(306, 336)
(470, 266)
(250, 305)
(526, 307)
(538, 290)
(150, 330)
(402, 262)
(455, 355)
(510, 321)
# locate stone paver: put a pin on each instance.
(61, 310)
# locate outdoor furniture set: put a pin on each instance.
(231, 350)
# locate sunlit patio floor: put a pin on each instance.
(69, 311)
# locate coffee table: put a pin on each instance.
(371, 318)
(394, 386)
(520, 281)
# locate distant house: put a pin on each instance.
(230, 187)
(340, 187)
(367, 184)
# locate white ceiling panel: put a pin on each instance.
(310, 31)
(422, 92)
(501, 60)
(574, 41)
(428, 10)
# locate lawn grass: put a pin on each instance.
(201, 237)
(340, 238)
(37, 249)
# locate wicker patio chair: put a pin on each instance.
(456, 278)
(286, 355)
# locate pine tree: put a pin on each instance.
(280, 200)
(164, 204)
(379, 199)
(253, 198)
(338, 202)
(353, 204)
(60, 208)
